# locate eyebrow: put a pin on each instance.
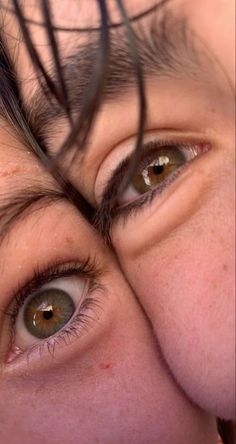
(17, 205)
(166, 47)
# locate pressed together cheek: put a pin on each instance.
(185, 283)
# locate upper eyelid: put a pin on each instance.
(56, 270)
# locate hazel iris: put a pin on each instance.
(156, 167)
(47, 312)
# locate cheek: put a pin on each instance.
(186, 286)
(119, 391)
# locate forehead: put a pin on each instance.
(198, 13)
(84, 14)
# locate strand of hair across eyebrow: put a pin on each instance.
(13, 111)
(46, 11)
(80, 127)
(37, 62)
(101, 223)
(141, 94)
(93, 96)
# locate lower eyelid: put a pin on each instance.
(147, 197)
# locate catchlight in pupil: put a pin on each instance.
(47, 312)
(155, 168)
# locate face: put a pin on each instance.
(173, 227)
(77, 356)
(103, 360)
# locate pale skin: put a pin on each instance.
(117, 382)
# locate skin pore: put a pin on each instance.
(168, 269)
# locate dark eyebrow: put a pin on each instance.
(166, 47)
(12, 114)
(17, 205)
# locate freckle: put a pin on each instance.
(225, 267)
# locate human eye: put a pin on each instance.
(161, 163)
(55, 307)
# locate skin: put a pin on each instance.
(112, 384)
(182, 267)
(107, 384)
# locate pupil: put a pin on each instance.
(48, 314)
(158, 169)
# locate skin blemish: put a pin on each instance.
(10, 172)
(105, 365)
(69, 241)
(17, 169)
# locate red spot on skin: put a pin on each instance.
(105, 365)
(12, 171)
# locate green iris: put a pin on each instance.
(154, 169)
(47, 312)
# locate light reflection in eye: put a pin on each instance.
(161, 163)
(155, 167)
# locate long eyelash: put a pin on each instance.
(89, 270)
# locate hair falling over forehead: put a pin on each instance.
(81, 125)
(13, 107)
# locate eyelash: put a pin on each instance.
(88, 270)
(108, 206)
